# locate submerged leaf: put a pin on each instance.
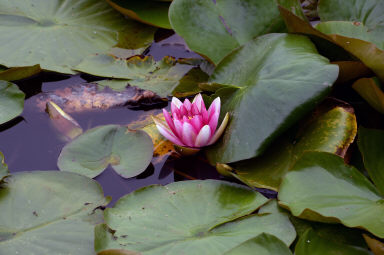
(11, 101)
(128, 152)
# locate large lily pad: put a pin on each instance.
(165, 77)
(49, 212)
(191, 217)
(264, 244)
(355, 28)
(3, 167)
(128, 152)
(11, 101)
(312, 243)
(322, 188)
(147, 11)
(270, 83)
(214, 29)
(371, 146)
(329, 131)
(56, 34)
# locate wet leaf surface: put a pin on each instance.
(327, 130)
(268, 85)
(42, 212)
(128, 152)
(370, 90)
(59, 34)
(214, 29)
(11, 101)
(174, 219)
(322, 188)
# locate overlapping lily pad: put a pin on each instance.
(128, 152)
(11, 101)
(264, 244)
(370, 90)
(322, 188)
(49, 213)
(214, 29)
(356, 26)
(150, 12)
(191, 217)
(165, 77)
(268, 84)
(329, 131)
(371, 146)
(56, 34)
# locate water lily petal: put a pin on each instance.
(176, 102)
(187, 104)
(195, 110)
(220, 130)
(189, 135)
(199, 102)
(183, 111)
(197, 123)
(178, 128)
(203, 136)
(214, 107)
(169, 136)
(175, 105)
(169, 120)
(213, 121)
(204, 115)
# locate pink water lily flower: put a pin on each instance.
(191, 125)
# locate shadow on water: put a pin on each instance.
(30, 142)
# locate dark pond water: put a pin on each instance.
(30, 142)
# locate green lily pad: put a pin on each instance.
(58, 35)
(264, 244)
(190, 217)
(165, 77)
(312, 243)
(329, 131)
(128, 152)
(269, 84)
(49, 212)
(371, 146)
(150, 12)
(18, 73)
(3, 167)
(370, 90)
(322, 188)
(215, 29)
(11, 101)
(355, 28)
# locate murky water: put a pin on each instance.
(30, 142)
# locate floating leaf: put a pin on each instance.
(117, 252)
(150, 12)
(3, 168)
(165, 77)
(329, 131)
(314, 244)
(340, 33)
(322, 188)
(128, 152)
(190, 217)
(18, 73)
(371, 147)
(375, 245)
(63, 122)
(264, 244)
(58, 35)
(351, 70)
(11, 101)
(214, 29)
(369, 89)
(49, 212)
(269, 84)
